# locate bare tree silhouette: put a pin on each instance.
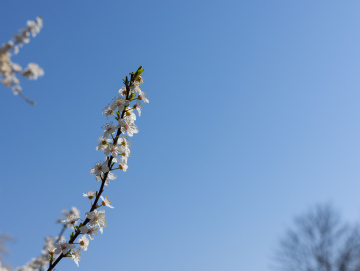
(320, 241)
(4, 238)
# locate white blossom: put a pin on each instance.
(75, 211)
(89, 231)
(103, 143)
(139, 80)
(110, 129)
(125, 152)
(97, 218)
(120, 103)
(71, 219)
(61, 239)
(135, 88)
(122, 91)
(64, 248)
(90, 194)
(106, 202)
(130, 114)
(51, 249)
(33, 71)
(113, 150)
(128, 126)
(76, 256)
(122, 164)
(110, 176)
(124, 141)
(99, 168)
(16, 89)
(138, 107)
(84, 242)
(109, 110)
(142, 97)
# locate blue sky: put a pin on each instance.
(253, 117)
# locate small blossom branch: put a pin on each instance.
(123, 113)
(73, 211)
(8, 69)
(40, 262)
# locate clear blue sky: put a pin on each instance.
(253, 117)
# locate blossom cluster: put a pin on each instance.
(9, 69)
(115, 145)
(41, 262)
(73, 211)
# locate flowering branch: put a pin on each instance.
(8, 69)
(73, 211)
(116, 146)
(40, 262)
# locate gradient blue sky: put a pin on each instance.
(253, 117)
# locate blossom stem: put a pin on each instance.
(27, 99)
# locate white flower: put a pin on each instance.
(97, 218)
(71, 219)
(90, 194)
(16, 49)
(139, 80)
(128, 126)
(124, 141)
(39, 21)
(109, 110)
(84, 242)
(142, 96)
(106, 202)
(75, 211)
(114, 160)
(16, 90)
(33, 71)
(35, 26)
(135, 88)
(103, 143)
(61, 239)
(125, 152)
(76, 256)
(138, 107)
(49, 241)
(110, 176)
(120, 103)
(130, 114)
(88, 231)
(122, 91)
(51, 249)
(113, 150)
(99, 168)
(64, 247)
(110, 129)
(122, 164)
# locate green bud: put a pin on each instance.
(139, 71)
